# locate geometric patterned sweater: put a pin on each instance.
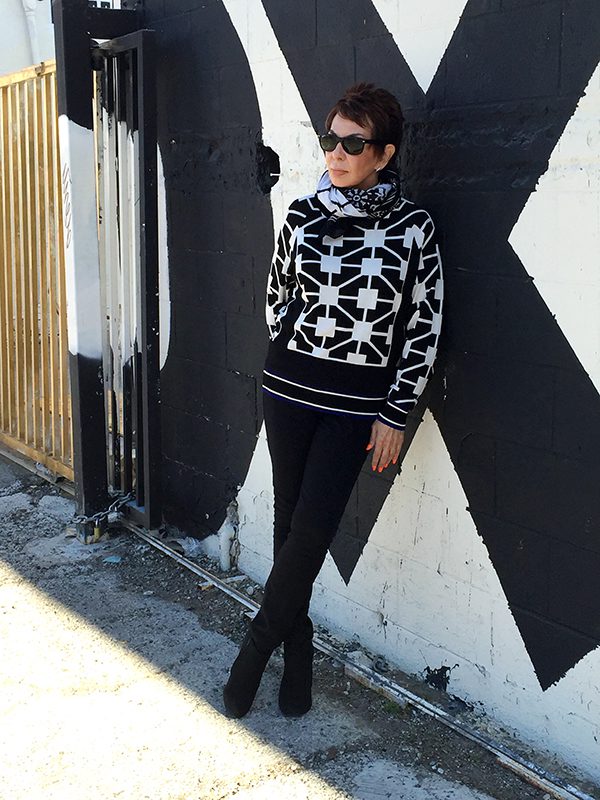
(353, 320)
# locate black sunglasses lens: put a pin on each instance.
(353, 145)
(328, 142)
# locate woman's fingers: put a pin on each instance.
(386, 444)
(380, 454)
(372, 439)
(377, 446)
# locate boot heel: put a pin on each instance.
(295, 692)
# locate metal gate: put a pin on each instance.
(127, 205)
(121, 121)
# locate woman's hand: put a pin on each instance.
(385, 443)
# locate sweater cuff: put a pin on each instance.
(392, 416)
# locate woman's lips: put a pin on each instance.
(337, 171)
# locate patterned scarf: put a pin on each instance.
(345, 204)
(375, 202)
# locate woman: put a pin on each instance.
(354, 310)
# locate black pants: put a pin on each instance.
(316, 459)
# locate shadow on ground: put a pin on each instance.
(113, 664)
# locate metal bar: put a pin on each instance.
(203, 573)
(138, 289)
(112, 269)
(534, 779)
(127, 481)
(509, 758)
(129, 223)
(113, 272)
(124, 201)
(128, 42)
(148, 230)
(101, 128)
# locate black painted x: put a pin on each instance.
(519, 415)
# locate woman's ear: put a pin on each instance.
(388, 154)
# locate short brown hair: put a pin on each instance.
(367, 105)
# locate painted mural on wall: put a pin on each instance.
(515, 391)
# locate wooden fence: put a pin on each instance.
(35, 402)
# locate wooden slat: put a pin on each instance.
(37, 71)
(45, 262)
(12, 271)
(30, 377)
(22, 276)
(4, 265)
(48, 461)
(39, 231)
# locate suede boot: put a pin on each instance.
(295, 692)
(244, 678)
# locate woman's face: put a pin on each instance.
(358, 171)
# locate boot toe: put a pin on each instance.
(244, 678)
(232, 704)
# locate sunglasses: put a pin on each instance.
(353, 145)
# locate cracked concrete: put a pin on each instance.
(112, 676)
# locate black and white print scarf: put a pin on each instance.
(377, 201)
(344, 205)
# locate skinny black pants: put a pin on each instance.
(316, 459)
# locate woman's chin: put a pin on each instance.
(339, 178)
(343, 180)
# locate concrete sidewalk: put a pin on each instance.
(112, 665)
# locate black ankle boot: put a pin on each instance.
(244, 678)
(295, 692)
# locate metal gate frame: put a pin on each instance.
(77, 27)
(133, 98)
